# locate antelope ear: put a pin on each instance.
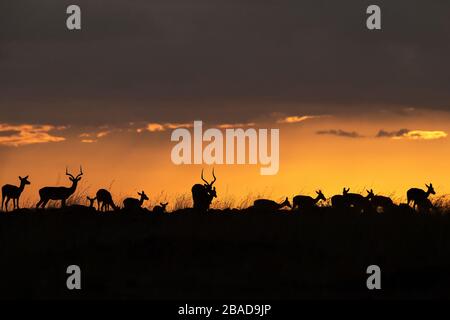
(427, 185)
(26, 177)
(20, 177)
(139, 193)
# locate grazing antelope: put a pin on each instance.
(202, 195)
(83, 207)
(418, 195)
(105, 199)
(338, 201)
(271, 205)
(59, 193)
(133, 203)
(12, 192)
(161, 208)
(307, 201)
(377, 202)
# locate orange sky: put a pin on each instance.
(127, 161)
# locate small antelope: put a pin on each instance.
(379, 201)
(59, 193)
(161, 208)
(271, 205)
(104, 197)
(83, 207)
(12, 192)
(133, 203)
(307, 201)
(91, 201)
(418, 195)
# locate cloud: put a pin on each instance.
(25, 134)
(91, 137)
(159, 127)
(391, 134)
(88, 140)
(412, 134)
(340, 133)
(235, 125)
(297, 119)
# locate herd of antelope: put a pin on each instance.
(204, 194)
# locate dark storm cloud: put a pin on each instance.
(340, 133)
(392, 134)
(179, 60)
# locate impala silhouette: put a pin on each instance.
(270, 205)
(12, 192)
(417, 196)
(105, 199)
(202, 195)
(59, 193)
(305, 202)
(133, 203)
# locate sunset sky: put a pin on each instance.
(355, 108)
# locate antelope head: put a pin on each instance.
(77, 178)
(209, 185)
(430, 188)
(320, 195)
(370, 194)
(24, 181)
(143, 195)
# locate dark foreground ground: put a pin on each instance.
(223, 255)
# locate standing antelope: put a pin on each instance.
(202, 195)
(356, 200)
(338, 201)
(307, 201)
(12, 192)
(104, 197)
(59, 193)
(418, 195)
(270, 205)
(380, 201)
(161, 208)
(133, 203)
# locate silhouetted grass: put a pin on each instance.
(230, 253)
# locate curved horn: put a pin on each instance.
(68, 174)
(212, 182)
(81, 172)
(204, 179)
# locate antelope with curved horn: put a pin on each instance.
(305, 202)
(59, 193)
(418, 195)
(12, 192)
(202, 195)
